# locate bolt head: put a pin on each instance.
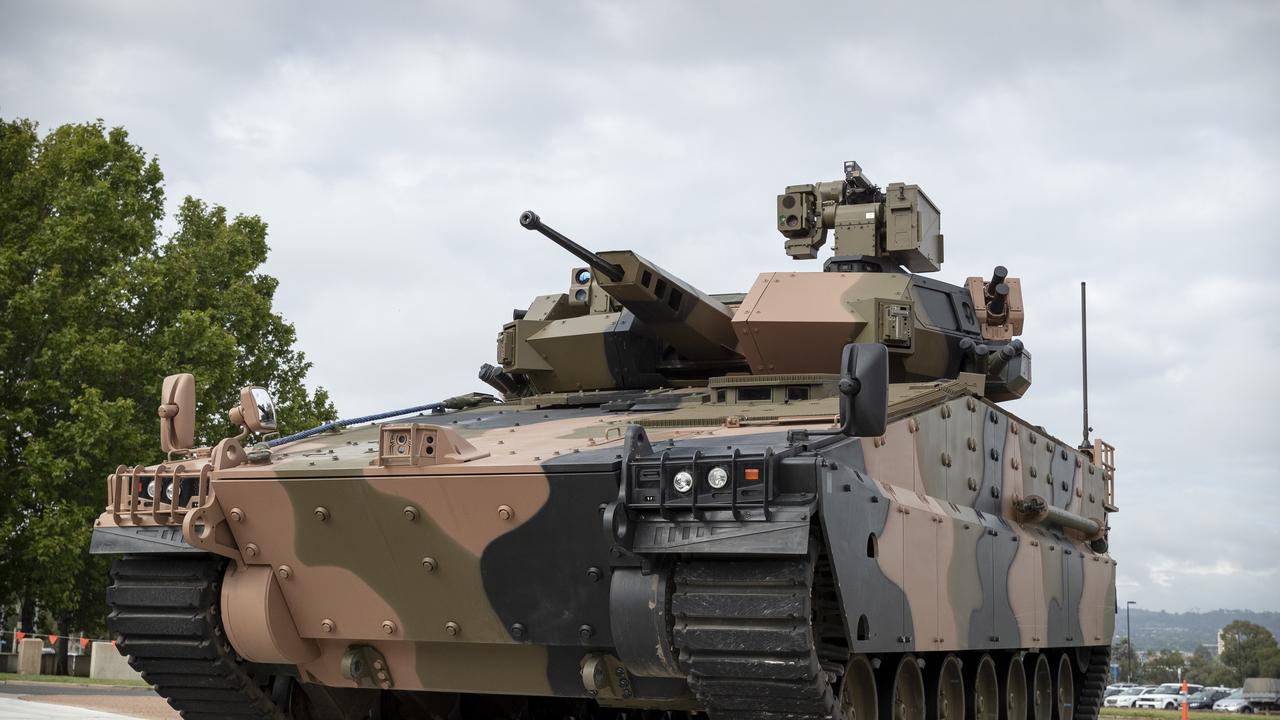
(410, 513)
(327, 625)
(429, 563)
(388, 627)
(594, 574)
(284, 572)
(452, 628)
(586, 631)
(236, 514)
(251, 550)
(321, 513)
(505, 512)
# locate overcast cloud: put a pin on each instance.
(391, 148)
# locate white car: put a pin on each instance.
(1126, 697)
(1168, 696)
(1234, 702)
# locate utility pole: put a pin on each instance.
(1128, 631)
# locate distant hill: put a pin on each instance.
(1158, 630)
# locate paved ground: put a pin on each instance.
(56, 701)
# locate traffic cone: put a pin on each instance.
(1184, 699)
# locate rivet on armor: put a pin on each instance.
(518, 631)
(326, 625)
(912, 425)
(594, 574)
(1091, 498)
(995, 454)
(236, 514)
(452, 628)
(388, 627)
(410, 513)
(973, 483)
(1013, 429)
(251, 550)
(946, 411)
(321, 513)
(1065, 486)
(284, 572)
(1013, 463)
(995, 493)
(1063, 453)
(1033, 438)
(1048, 479)
(970, 404)
(946, 459)
(505, 512)
(586, 631)
(429, 563)
(991, 415)
(1091, 469)
(1033, 471)
(972, 444)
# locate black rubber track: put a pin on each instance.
(744, 633)
(164, 613)
(1089, 701)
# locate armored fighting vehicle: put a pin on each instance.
(801, 501)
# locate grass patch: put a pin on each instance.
(1153, 714)
(69, 680)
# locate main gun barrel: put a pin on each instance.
(530, 221)
(696, 325)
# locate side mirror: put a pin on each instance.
(257, 411)
(177, 412)
(864, 389)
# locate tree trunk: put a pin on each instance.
(27, 615)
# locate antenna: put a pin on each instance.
(1084, 364)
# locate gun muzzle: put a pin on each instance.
(529, 220)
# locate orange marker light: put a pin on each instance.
(751, 474)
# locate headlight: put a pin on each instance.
(167, 492)
(717, 477)
(149, 489)
(682, 482)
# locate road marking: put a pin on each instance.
(13, 709)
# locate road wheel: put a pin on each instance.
(1064, 708)
(902, 692)
(982, 688)
(944, 690)
(1014, 689)
(1041, 689)
(858, 691)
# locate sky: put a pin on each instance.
(391, 148)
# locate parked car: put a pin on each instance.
(1117, 688)
(1205, 699)
(1234, 702)
(1168, 696)
(1126, 697)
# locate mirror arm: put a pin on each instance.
(849, 387)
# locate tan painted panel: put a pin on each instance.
(920, 570)
(1026, 591)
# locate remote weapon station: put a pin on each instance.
(801, 501)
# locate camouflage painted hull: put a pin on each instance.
(538, 563)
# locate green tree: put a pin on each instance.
(1130, 667)
(1205, 669)
(1164, 666)
(95, 308)
(1246, 647)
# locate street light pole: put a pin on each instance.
(1128, 631)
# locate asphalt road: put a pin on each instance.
(56, 701)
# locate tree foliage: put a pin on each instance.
(96, 307)
(1250, 650)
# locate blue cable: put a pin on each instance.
(353, 421)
